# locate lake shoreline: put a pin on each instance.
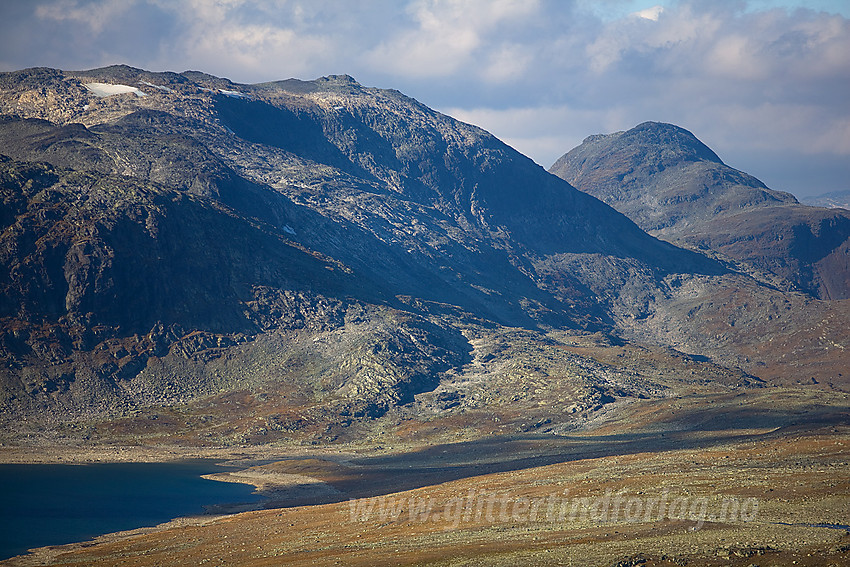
(46, 554)
(54, 455)
(239, 462)
(229, 466)
(242, 456)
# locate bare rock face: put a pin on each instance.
(674, 187)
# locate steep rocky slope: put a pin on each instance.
(372, 178)
(119, 294)
(673, 186)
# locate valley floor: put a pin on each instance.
(751, 488)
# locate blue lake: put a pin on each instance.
(55, 504)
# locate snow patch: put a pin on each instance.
(102, 90)
(158, 87)
(234, 94)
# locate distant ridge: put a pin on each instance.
(662, 177)
(834, 199)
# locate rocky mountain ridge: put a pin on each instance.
(663, 177)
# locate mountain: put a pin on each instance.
(377, 163)
(674, 187)
(186, 258)
(834, 199)
(662, 177)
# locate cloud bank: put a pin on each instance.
(765, 83)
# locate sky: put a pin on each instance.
(764, 83)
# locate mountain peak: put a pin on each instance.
(661, 176)
(668, 182)
(672, 137)
(658, 144)
(340, 80)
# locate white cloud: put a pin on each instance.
(736, 57)
(506, 62)
(771, 126)
(650, 13)
(253, 49)
(448, 36)
(94, 16)
(249, 41)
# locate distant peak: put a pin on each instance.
(670, 137)
(342, 79)
(120, 68)
(338, 82)
(662, 127)
(599, 137)
(657, 141)
(116, 72)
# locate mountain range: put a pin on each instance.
(371, 309)
(322, 254)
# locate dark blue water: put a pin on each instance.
(54, 504)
